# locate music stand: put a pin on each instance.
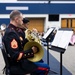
(47, 37)
(61, 41)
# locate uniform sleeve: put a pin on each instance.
(28, 53)
(14, 48)
(25, 41)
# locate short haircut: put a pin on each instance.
(14, 13)
(25, 20)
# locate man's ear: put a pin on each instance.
(16, 19)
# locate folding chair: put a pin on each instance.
(5, 56)
(7, 70)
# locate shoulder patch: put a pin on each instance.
(14, 44)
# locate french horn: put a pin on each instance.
(37, 56)
(34, 41)
(32, 36)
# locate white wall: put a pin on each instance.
(46, 23)
(58, 23)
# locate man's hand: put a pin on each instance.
(35, 49)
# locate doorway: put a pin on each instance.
(68, 23)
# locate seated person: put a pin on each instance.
(13, 40)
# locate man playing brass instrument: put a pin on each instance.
(39, 63)
(14, 39)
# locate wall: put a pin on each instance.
(46, 23)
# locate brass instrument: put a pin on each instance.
(29, 35)
(34, 41)
(32, 36)
(21, 26)
(37, 56)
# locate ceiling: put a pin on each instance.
(45, 0)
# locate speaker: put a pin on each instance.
(53, 17)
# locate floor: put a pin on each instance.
(68, 61)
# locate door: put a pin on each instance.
(68, 23)
(37, 23)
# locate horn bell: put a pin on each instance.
(37, 56)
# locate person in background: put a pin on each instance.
(13, 40)
(26, 25)
(3, 27)
(2, 31)
(72, 41)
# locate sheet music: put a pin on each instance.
(62, 39)
(57, 38)
(47, 33)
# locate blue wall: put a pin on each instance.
(40, 8)
(6, 21)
